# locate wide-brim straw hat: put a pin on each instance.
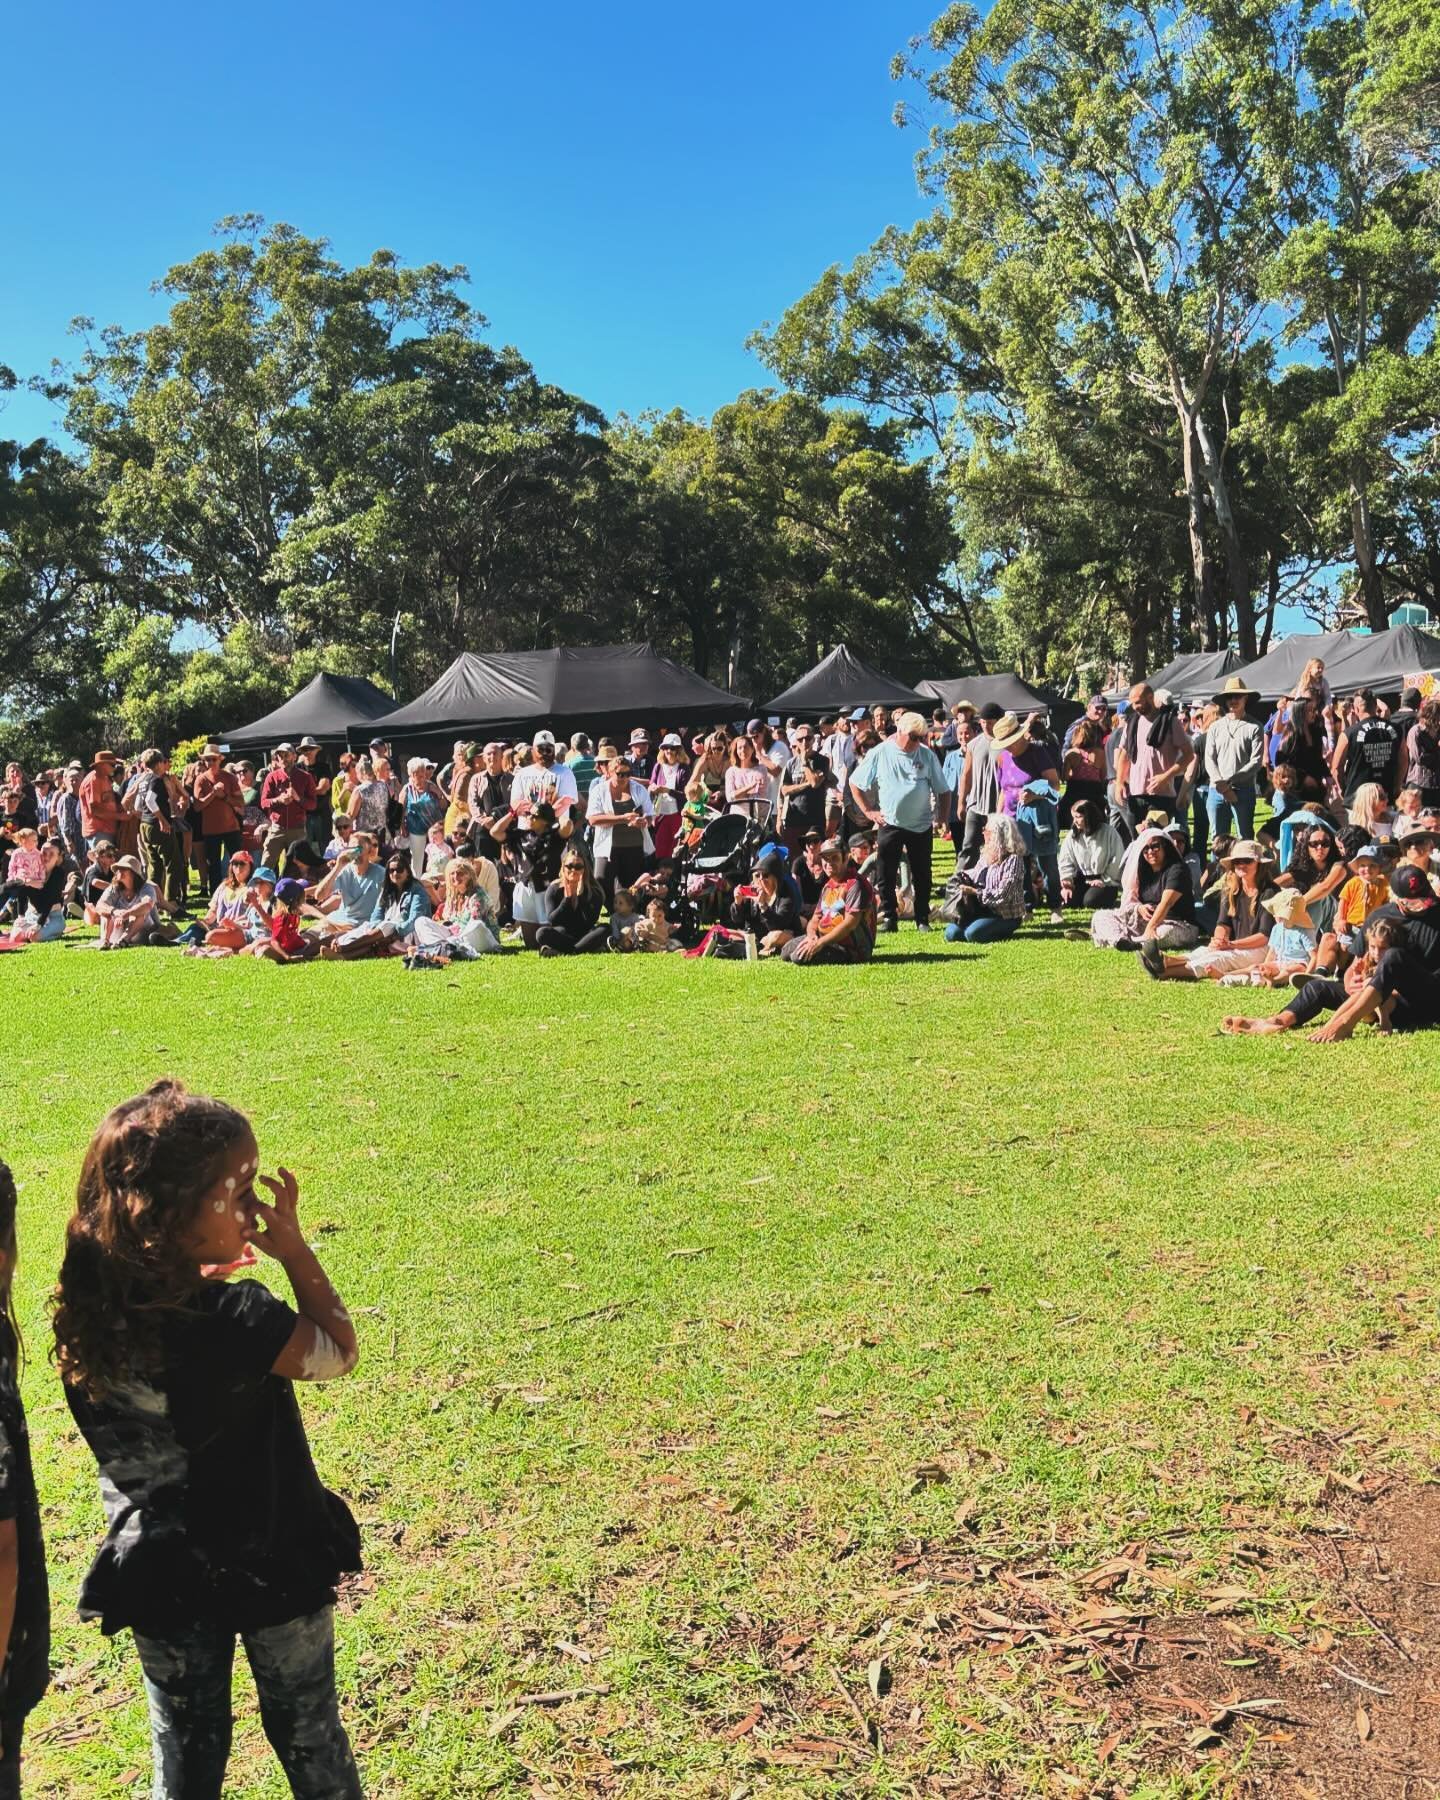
(1007, 731)
(1247, 850)
(1235, 689)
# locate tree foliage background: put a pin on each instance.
(1158, 358)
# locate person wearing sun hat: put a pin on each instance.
(221, 805)
(1030, 794)
(1242, 932)
(1234, 753)
(99, 802)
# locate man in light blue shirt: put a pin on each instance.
(348, 894)
(901, 789)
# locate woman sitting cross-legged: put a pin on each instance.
(464, 925)
(990, 898)
(1091, 858)
(1243, 931)
(1157, 899)
(572, 906)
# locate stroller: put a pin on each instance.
(721, 855)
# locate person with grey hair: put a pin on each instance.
(987, 903)
(900, 786)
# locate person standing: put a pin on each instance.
(69, 820)
(901, 788)
(838, 746)
(159, 831)
(99, 803)
(220, 803)
(1153, 757)
(1234, 753)
(317, 765)
(287, 797)
(978, 795)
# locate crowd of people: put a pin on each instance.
(1143, 817)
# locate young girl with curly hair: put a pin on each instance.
(181, 1384)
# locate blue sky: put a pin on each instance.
(633, 188)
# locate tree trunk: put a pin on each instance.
(1272, 598)
(1201, 562)
(1137, 617)
(1372, 588)
(1237, 566)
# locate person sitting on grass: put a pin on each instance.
(391, 927)
(346, 896)
(1415, 847)
(42, 918)
(1090, 858)
(843, 925)
(1370, 810)
(1318, 871)
(1401, 984)
(1157, 899)
(989, 900)
(1241, 936)
(24, 873)
(573, 904)
(99, 873)
(1293, 944)
(463, 924)
(769, 904)
(286, 943)
(128, 911)
(228, 921)
(1363, 894)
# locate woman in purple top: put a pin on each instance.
(1029, 794)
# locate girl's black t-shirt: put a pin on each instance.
(27, 1666)
(215, 1510)
(537, 858)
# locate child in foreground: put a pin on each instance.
(24, 1591)
(180, 1383)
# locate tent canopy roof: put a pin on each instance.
(1274, 675)
(1009, 691)
(326, 708)
(841, 679)
(1199, 672)
(1384, 659)
(597, 687)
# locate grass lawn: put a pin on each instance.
(698, 1300)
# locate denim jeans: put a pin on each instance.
(989, 928)
(1224, 818)
(187, 1685)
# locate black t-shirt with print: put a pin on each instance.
(27, 1666)
(1370, 756)
(537, 857)
(215, 1510)
(1155, 882)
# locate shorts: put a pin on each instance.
(527, 907)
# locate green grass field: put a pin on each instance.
(674, 1279)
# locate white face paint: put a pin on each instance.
(219, 1206)
(340, 1313)
(240, 1215)
(230, 1185)
(324, 1360)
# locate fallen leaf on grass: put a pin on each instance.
(743, 1727)
(698, 1250)
(983, 1288)
(566, 1648)
(878, 1677)
(1362, 1724)
(1105, 1750)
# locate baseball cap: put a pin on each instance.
(543, 737)
(859, 712)
(1410, 883)
(290, 888)
(671, 741)
(265, 873)
(639, 735)
(280, 749)
(754, 725)
(990, 712)
(1367, 853)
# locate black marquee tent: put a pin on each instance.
(841, 680)
(328, 708)
(1198, 674)
(1384, 660)
(1274, 675)
(1007, 691)
(607, 688)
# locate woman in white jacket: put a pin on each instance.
(1090, 858)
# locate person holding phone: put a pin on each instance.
(619, 810)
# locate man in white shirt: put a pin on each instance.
(543, 779)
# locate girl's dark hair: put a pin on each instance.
(1085, 815)
(1302, 864)
(147, 1170)
(13, 1349)
(1351, 839)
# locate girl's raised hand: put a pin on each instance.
(281, 1237)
